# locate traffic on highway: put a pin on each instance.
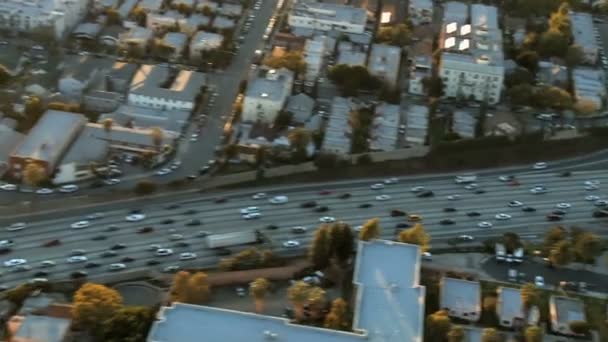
(175, 235)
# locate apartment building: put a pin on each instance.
(582, 32)
(266, 95)
(60, 17)
(327, 17)
(314, 51)
(420, 11)
(384, 62)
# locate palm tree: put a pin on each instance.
(107, 125)
(34, 174)
(157, 136)
(298, 294)
(258, 289)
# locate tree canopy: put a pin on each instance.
(351, 79)
(190, 288)
(398, 35)
(437, 326)
(94, 304)
(129, 324)
(292, 60)
(370, 230)
(337, 318)
(416, 235)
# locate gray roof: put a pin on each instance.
(206, 40)
(123, 71)
(385, 126)
(151, 5)
(140, 117)
(463, 123)
(484, 16)
(126, 7)
(389, 308)
(336, 138)
(137, 33)
(177, 40)
(81, 68)
(582, 30)
(338, 13)
(384, 61)
(221, 22)
(85, 149)
(43, 328)
(272, 88)
(455, 11)
(509, 305)
(301, 105)
(113, 31)
(461, 297)
(196, 20)
(149, 78)
(89, 30)
(8, 140)
(51, 136)
(417, 123)
(565, 310)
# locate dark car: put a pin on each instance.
(558, 212)
(91, 265)
(449, 210)
(118, 246)
(325, 192)
(426, 193)
(99, 237)
(41, 274)
(192, 177)
(182, 244)
(446, 222)
(203, 170)
(528, 209)
(473, 214)
(309, 204)
(127, 259)
(321, 209)
(5, 250)
(479, 191)
(402, 225)
(220, 200)
(565, 174)
(553, 217)
(78, 274)
(96, 184)
(600, 213)
(108, 254)
(167, 221)
(397, 213)
(193, 222)
(112, 228)
(152, 262)
(190, 212)
(345, 196)
(365, 205)
(172, 206)
(52, 243)
(144, 230)
(223, 252)
(272, 227)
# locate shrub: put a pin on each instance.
(145, 187)
(364, 159)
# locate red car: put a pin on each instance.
(514, 183)
(52, 243)
(144, 230)
(325, 192)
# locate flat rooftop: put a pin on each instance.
(149, 80)
(461, 297)
(510, 306)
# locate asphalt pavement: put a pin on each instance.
(225, 217)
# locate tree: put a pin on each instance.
(529, 60)
(533, 334)
(297, 295)
(316, 301)
(552, 43)
(553, 236)
(129, 324)
(231, 151)
(179, 289)
(5, 75)
(260, 156)
(587, 247)
(292, 60)
(521, 94)
(529, 295)
(34, 109)
(351, 79)
(157, 135)
(437, 326)
(283, 119)
(320, 249)
(399, 35)
(511, 241)
(433, 86)
(107, 125)
(93, 305)
(579, 327)
(140, 15)
(489, 335)
(207, 11)
(370, 230)
(416, 235)
(337, 317)
(34, 174)
(258, 289)
(519, 76)
(326, 160)
(112, 17)
(145, 187)
(342, 241)
(299, 138)
(199, 289)
(584, 107)
(561, 253)
(574, 56)
(456, 334)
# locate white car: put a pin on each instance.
(453, 197)
(252, 216)
(135, 217)
(8, 187)
(15, 262)
(484, 224)
(47, 264)
(16, 226)
(163, 252)
(259, 195)
(591, 187)
(515, 204)
(175, 165)
(539, 166)
(327, 219)
(163, 172)
(503, 216)
(417, 189)
(154, 248)
(116, 267)
(391, 180)
(77, 258)
(537, 190)
(250, 210)
(377, 186)
(592, 182)
(44, 191)
(466, 238)
(299, 229)
(111, 181)
(175, 237)
(505, 178)
(80, 224)
(427, 256)
(471, 186)
(563, 205)
(68, 188)
(6, 243)
(601, 203)
(279, 200)
(539, 281)
(291, 244)
(95, 216)
(187, 256)
(592, 198)
(383, 198)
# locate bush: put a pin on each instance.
(580, 327)
(326, 161)
(364, 159)
(145, 187)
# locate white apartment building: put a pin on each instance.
(266, 95)
(472, 63)
(338, 130)
(582, 31)
(28, 15)
(314, 51)
(384, 62)
(420, 11)
(204, 41)
(328, 17)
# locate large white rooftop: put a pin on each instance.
(330, 12)
(582, 30)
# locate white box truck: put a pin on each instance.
(465, 179)
(500, 251)
(233, 239)
(518, 255)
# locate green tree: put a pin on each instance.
(519, 76)
(521, 94)
(399, 35)
(370, 230)
(258, 290)
(416, 235)
(587, 247)
(533, 334)
(553, 43)
(207, 11)
(5, 75)
(553, 236)
(437, 326)
(433, 86)
(107, 125)
(129, 324)
(283, 119)
(489, 335)
(585, 107)
(140, 16)
(342, 241)
(511, 241)
(231, 151)
(179, 288)
(157, 135)
(316, 301)
(561, 253)
(320, 249)
(351, 79)
(337, 318)
(299, 138)
(574, 56)
(456, 334)
(529, 295)
(529, 60)
(579, 327)
(34, 109)
(298, 295)
(199, 289)
(93, 305)
(145, 187)
(293, 60)
(112, 17)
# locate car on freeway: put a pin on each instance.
(592, 182)
(591, 187)
(327, 219)
(365, 205)
(152, 262)
(392, 180)
(163, 252)
(223, 252)
(92, 264)
(193, 222)
(417, 189)
(171, 269)
(537, 190)
(479, 191)
(601, 203)
(553, 217)
(78, 274)
(592, 198)
(414, 218)
(558, 212)
(321, 209)
(21, 268)
(453, 197)
(203, 170)
(135, 217)
(309, 204)
(447, 222)
(539, 166)
(252, 216)
(51, 243)
(563, 205)
(377, 186)
(299, 229)
(250, 210)
(77, 252)
(16, 226)
(144, 230)
(176, 237)
(279, 199)
(514, 182)
(41, 274)
(515, 204)
(77, 258)
(6, 243)
(507, 178)
(127, 259)
(345, 196)
(565, 174)
(383, 198)
(471, 186)
(187, 256)
(528, 209)
(397, 213)
(473, 214)
(484, 224)
(259, 195)
(539, 281)
(190, 212)
(95, 216)
(154, 247)
(425, 194)
(402, 225)
(163, 172)
(167, 221)
(116, 267)
(202, 233)
(111, 181)
(325, 192)
(47, 264)
(465, 238)
(15, 262)
(291, 244)
(502, 216)
(118, 246)
(44, 191)
(80, 224)
(108, 254)
(172, 206)
(8, 187)
(449, 210)
(68, 188)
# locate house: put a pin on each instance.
(211, 5)
(9, 139)
(87, 31)
(119, 77)
(379, 285)
(160, 21)
(320, 16)
(314, 52)
(301, 105)
(350, 54)
(110, 35)
(204, 41)
(156, 86)
(150, 5)
(463, 123)
(102, 101)
(137, 38)
(562, 311)
(266, 95)
(221, 22)
(384, 130)
(384, 62)
(338, 130)
(193, 23)
(231, 9)
(46, 142)
(83, 72)
(510, 309)
(142, 117)
(176, 41)
(583, 33)
(420, 11)
(461, 298)
(417, 123)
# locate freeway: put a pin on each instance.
(225, 217)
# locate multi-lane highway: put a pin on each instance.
(225, 217)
